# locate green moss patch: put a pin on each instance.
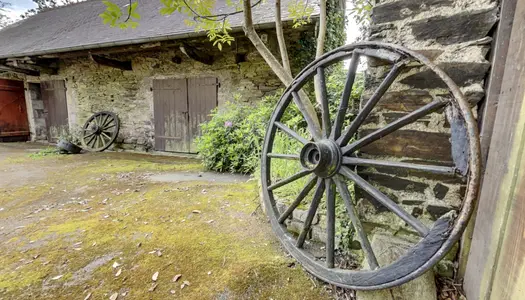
(106, 224)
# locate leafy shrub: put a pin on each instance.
(231, 141)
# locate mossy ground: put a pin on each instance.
(62, 232)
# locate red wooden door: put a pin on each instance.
(14, 125)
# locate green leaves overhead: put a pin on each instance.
(201, 15)
(113, 15)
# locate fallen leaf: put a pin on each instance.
(196, 211)
(186, 282)
(176, 277)
(155, 276)
(36, 256)
(116, 265)
(57, 277)
(114, 296)
(153, 287)
(88, 296)
(118, 272)
(172, 291)
(210, 221)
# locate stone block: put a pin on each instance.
(319, 234)
(462, 73)
(300, 215)
(440, 190)
(437, 211)
(403, 101)
(388, 249)
(462, 27)
(393, 11)
(294, 226)
(411, 143)
(396, 183)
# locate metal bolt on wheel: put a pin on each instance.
(329, 156)
(100, 131)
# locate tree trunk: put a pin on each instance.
(285, 77)
(280, 37)
(321, 36)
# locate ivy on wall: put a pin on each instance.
(335, 37)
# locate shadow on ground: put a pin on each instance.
(91, 226)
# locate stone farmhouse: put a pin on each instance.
(162, 78)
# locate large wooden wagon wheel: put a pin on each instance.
(100, 131)
(328, 159)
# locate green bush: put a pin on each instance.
(231, 141)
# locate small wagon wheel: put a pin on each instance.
(328, 156)
(100, 131)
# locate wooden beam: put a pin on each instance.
(19, 70)
(117, 64)
(196, 54)
(496, 264)
(500, 48)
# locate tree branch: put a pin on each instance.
(285, 77)
(280, 37)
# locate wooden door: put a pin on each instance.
(14, 125)
(55, 108)
(202, 98)
(170, 106)
(180, 106)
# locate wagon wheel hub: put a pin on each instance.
(323, 158)
(96, 129)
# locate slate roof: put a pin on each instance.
(79, 27)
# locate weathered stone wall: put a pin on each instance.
(454, 34)
(92, 87)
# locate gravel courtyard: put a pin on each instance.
(130, 226)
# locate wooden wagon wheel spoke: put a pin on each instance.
(291, 133)
(328, 157)
(314, 129)
(311, 212)
(110, 126)
(290, 179)
(387, 202)
(345, 98)
(283, 156)
(89, 135)
(304, 192)
(355, 161)
(371, 103)
(105, 135)
(399, 123)
(330, 223)
(354, 218)
(92, 138)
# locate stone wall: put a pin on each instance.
(92, 87)
(454, 34)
